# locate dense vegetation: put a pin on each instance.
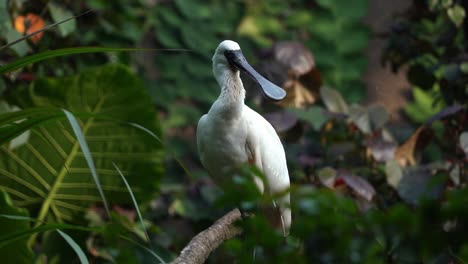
(77, 123)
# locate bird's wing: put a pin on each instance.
(271, 159)
(201, 139)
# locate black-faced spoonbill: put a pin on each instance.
(231, 133)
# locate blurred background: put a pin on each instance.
(374, 124)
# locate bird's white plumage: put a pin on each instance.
(231, 133)
(229, 45)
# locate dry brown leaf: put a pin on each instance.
(28, 24)
(304, 81)
(303, 91)
(409, 152)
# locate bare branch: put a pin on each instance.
(200, 247)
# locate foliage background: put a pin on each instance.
(363, 191)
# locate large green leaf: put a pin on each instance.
(49, 174)
(18, 251)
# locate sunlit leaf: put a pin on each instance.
(423, 108)
(409, 152)
(457, 14)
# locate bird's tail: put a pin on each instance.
(282, 206)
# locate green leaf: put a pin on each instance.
(193, 9)
(352, 10)
(378, 116)
(167, 37)
(314, 116)
(422, 109)
(457, 14)
(21, 48)
(17, 251)
(2, 86)
(75, 247)
(4, 17)
(464, 67)
(393, 172)
(199, 39)
(169, 16)
(58, 14)
(50, 173)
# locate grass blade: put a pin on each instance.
(44, 29)
(87, 154)
(134, 201)
(19, 63)
(75, 246)
(15, 236)
(149, 132)
(18, 217)
(144, 248)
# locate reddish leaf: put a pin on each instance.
(28, 24)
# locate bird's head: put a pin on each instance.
(228, 56)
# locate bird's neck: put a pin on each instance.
(231, 98)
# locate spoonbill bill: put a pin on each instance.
(231, 133)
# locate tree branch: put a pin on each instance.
(200, 247)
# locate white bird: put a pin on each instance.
(231, 133)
